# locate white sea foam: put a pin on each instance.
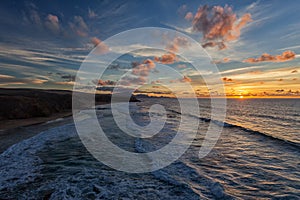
(19, 164)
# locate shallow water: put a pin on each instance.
(245, 163)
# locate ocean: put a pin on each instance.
(256, 157)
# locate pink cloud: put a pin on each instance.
(182, 66)
(149, 63)
(101, 47)
(218, 25)
(143, 69)
(189, 16)
(168, 58)
(79, 26)
(52, 23)
(176, 43)
(224, 60)
(139, 74)
(285, 56)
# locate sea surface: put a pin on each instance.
(256, 157)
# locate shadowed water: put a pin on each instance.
(245, 163)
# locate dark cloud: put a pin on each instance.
(105, 88)
(152, 92)
(68, 77)
(220, 45)
(104, 82)
(225, 79)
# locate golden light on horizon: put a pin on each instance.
(241, 97)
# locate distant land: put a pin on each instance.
(20, 104)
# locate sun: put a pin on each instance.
(241, 97)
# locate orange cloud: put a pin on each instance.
(4, 76)
(95, 41)
(39, 81)
(186, 79)
(218, 25)
(101, 47)
(149, 63)
(168, 58)
(12, 80)
(285, 56)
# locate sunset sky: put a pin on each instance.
(255, 44)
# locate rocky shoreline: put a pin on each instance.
(31, 103)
